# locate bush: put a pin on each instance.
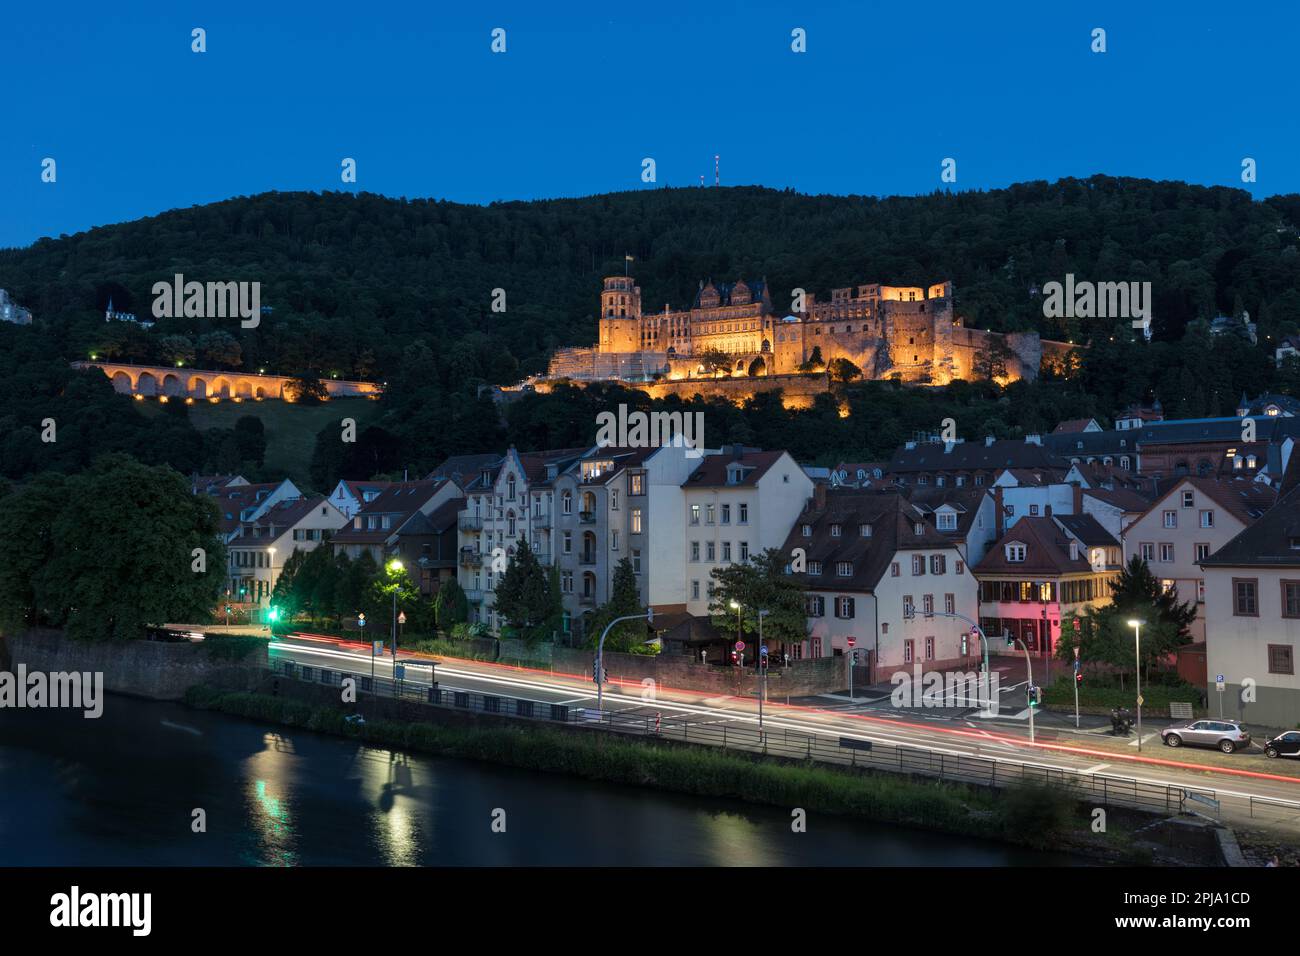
(231, 647)
(1034, 814)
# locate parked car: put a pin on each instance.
(1283, 745)
(1227, 735)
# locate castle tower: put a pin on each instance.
(620, 315)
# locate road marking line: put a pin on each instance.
(1099, 767)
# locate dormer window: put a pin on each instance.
(807, 530)
(946, 521)
(1015, 553)
(864, 530)
(918, 529)
(835, 530)
(844, 569)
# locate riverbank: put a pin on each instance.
(1035, 817)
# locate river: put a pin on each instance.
(122, 790)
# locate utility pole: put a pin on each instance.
(649, 616)
(762, 670)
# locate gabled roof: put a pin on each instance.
(712, 472)
(467, 470)
(233, 500)
(893, 523)
(400, 500)
(964, 501)
(1242, 498)
(1072, 425)
(533, 463)
(278, 519)
(1273, 541)
(1125, 499)
(1047, 551)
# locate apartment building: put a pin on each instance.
(1191, 521)
(615, 503)
(238, 501)
(510, 499)
(878, 571)
(736, 503)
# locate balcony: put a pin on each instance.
(540, 521)
(471, 558)
(470, 523)
(587, 517)
(474, 595)
(587, 600)
(588, 560)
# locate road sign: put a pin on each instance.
(1076, 627)
(379, 647)
(763, 650)
(852, 640)
(1218, 678)
(1076, 654)
(1141, 700)
(361, 620)
(399, 671)
(1220, 686)
(401, 617)
(740, 645)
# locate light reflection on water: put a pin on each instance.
(122, 790)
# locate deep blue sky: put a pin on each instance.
(139, 124)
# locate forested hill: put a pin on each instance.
(354, 280)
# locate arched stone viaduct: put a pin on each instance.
(148, 381)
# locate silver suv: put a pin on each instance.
(1227, 735)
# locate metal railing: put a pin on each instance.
(852, 752)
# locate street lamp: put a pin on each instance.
(1137, 671)
(762, 669)
(270, 569)
(735, 606)
(395, 567)
(649, 615)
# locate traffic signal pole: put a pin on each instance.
(649, 616)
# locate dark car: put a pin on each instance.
(1283, 745)
(1227, 735)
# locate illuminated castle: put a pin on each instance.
(909, 332)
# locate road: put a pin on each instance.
(949, 732)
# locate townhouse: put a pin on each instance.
(966, 516)
(962, 463)
(1193, 519)
(351, 496)
(1252, 617)
(260, 546)
(1043, 572)
(877, 571)
(736, 503)
(510, 499)
(616, 503)
(239, 501)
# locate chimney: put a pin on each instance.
(988, 441)
(1078, 498)
(999, 515)
(819, 496)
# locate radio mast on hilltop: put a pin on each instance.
(717, 178)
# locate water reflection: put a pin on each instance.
(121, 790)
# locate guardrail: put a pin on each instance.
(1098, 789)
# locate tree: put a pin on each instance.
(1106, 636)
(306, 388)
(761, 584)
(284, 594)
(220, 350)
(523, 596)
(176, 350)
(450, 605)
(990, 362)
(630, 636)
(250, 439)
(843, 371)
(814, 362)
(757, 367)
(714, 360)
(128, 545)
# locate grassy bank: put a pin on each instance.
(1038, 818)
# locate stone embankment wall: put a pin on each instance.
(151, 669)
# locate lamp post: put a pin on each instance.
(270, 568)
(649, 615)
(762, 670)
(1137, 671)
(395, 567)
(735, 605)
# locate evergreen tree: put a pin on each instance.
(523, 595)
(450, 605)
(630, 636)
(760, 584)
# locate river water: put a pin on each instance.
(122, 790)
